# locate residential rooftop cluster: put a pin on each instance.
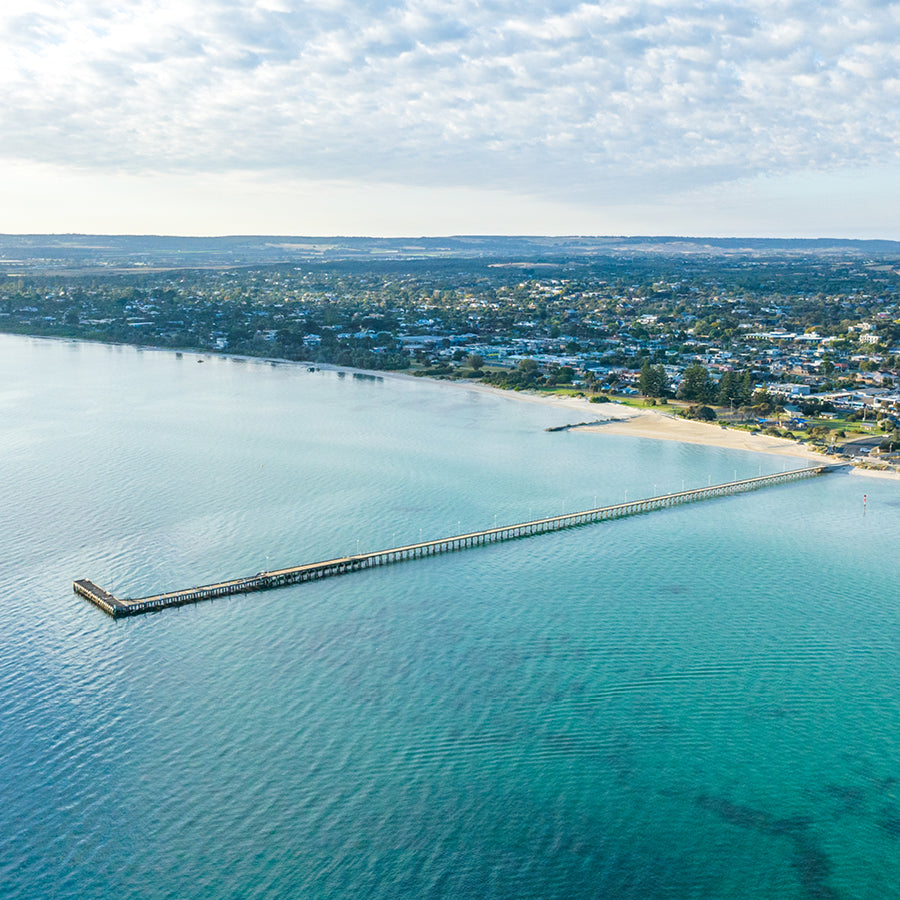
(806, 325)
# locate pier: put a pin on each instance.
(342, 565)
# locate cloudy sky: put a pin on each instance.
(402, 117)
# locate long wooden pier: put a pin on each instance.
(344, 564)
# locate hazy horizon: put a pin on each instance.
(511, 235)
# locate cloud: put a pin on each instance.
(605, 100)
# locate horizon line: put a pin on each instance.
(457, 236)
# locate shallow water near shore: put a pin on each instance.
(699, 702)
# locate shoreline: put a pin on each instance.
(620, 419)
(649, 424)
(628, 422)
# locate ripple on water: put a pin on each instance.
(694, 703)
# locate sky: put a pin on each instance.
(770, 118)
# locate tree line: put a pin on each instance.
(697, 385)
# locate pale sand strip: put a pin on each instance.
(661, 426)
(629, 422)
(669, 428)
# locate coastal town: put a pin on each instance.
(802, 345)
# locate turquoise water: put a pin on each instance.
(700, 702)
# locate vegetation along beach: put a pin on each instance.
(784, 346)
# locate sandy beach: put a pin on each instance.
(624, 420)
(620, 419)
(666, 427)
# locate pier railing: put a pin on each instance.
(342, 565)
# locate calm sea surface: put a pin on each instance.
(697, 703)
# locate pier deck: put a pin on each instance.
(312, 571)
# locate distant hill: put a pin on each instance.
(43, 252)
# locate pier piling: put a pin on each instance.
(313, 571)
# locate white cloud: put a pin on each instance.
(604, 101)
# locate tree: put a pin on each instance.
(745, 391)
(734, 388)
(653, 381)
(291, 341)
(727, 389)
(891, 442)
(696, 385)
(475, 361)
(701, 413)
(763, 403)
